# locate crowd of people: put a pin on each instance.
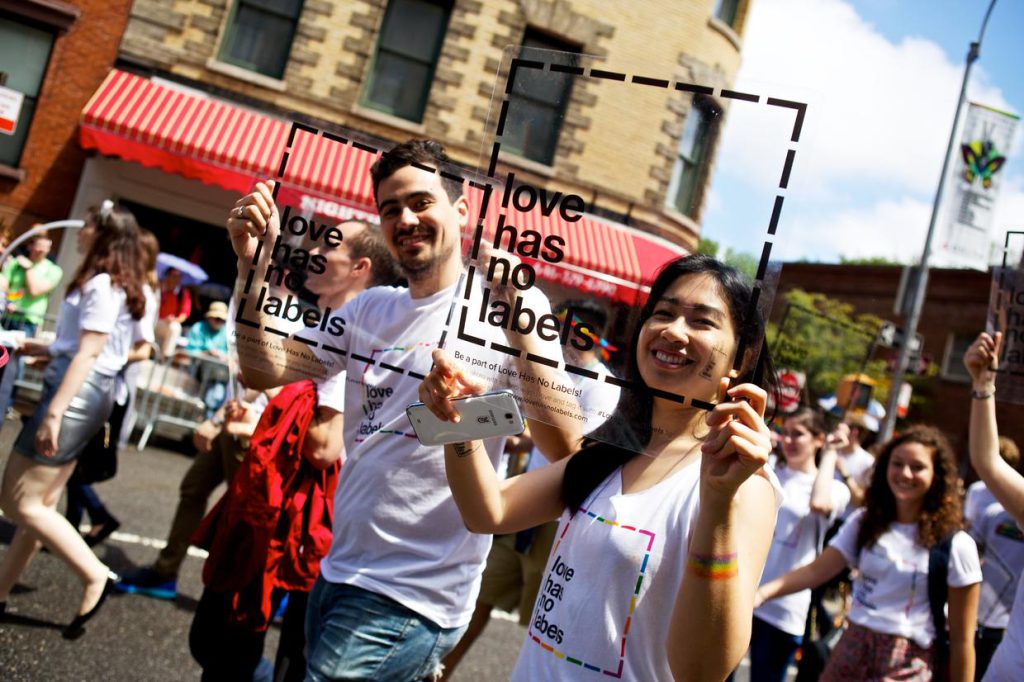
(640, 536)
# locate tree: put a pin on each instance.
(742, 261)
(869, 260)
(707, 247)
(826, 339)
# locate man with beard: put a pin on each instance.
(398, 586)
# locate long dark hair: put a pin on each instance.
(630, 427)
(940, 512)
(117, 251)
(812, 420)
(150, 250)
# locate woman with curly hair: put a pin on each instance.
(911, 506)
(93, 337)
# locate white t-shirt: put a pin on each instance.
(858, 465)
(1001, 545)
(798, 533)
(890, 590)
(98, 306)
(143, 330)
(397, 531)
(1008, 660)
(611, 582)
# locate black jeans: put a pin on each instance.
(230, 653)
(985, 644)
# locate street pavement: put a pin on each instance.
(138, 638)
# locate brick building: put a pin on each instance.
(56, 54)
(387, 70)
(954, 313)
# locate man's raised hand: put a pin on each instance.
(253, 217)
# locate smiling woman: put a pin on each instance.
(908, 533)
(681, 516)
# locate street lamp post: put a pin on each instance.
(910, 330)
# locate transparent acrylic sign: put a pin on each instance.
(287, 299)
(555, 276)
(1006, 315)
(554, 269)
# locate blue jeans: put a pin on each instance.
(771, 652)
(15, 369)
(354, 634)
(82, 498)
(214, 396)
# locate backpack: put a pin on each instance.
(938, 594)
(273, 525)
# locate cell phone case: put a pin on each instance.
(483, 416)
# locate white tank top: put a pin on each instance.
(611, 582)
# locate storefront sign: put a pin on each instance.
(10, 109)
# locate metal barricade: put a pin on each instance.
(170, 393)
(29, 386)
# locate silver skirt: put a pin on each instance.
(85, 416)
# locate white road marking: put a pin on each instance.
(133, 539)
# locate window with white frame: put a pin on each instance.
(259, 35)
(24, 57)
(726, 11)
(690, 168)
(408, 49)
(537, 103)
(953, 360)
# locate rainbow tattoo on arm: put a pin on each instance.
(713, 566)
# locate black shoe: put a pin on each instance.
(3, 609)
(105, 531)
(76, 628)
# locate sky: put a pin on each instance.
(881, 79)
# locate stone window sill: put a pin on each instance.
(11, 173)
(681, 219)
(246, 75)
(389, 120)
(56, 14)
(516, 161)
(726, 30)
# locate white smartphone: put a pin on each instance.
(483, 416)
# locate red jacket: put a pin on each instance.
(273, 526)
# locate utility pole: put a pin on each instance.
(910, 330)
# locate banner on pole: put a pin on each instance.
(976, 170)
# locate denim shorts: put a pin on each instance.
(355, 634)
(85, 416)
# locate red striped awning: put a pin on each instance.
(191, 134)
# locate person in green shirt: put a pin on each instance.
(27, 280)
